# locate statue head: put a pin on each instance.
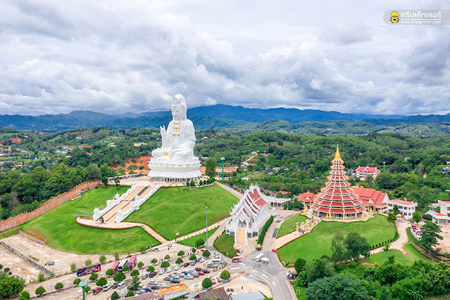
(179, 107)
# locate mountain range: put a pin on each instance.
(233, 118)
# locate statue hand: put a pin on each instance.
(163, 130)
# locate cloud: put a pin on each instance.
(118, 56)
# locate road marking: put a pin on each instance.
(264, 275)
(274, 284)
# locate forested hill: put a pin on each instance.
(243, 120)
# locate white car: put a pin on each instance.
(177, 267)
(189, 277)
(162, 285)
(169, 270)
(162, 271)
(152, 282)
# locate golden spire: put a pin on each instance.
(338, 155)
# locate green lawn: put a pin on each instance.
(289, 225)
(224, 244)
(411, 255)
(317, 243)
(182, 209)
(61, 231)
(191, 241)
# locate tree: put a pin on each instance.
(179, 261)
(110, 272)
(140, 265)
(93, 277)
(356, 245)
(225, 275)
(151, 269)
(39, 291)
(135, 282)
(102, 259)
(117, 182)
(101, 282)
(73, 267)
(126, 268)
(299, 265)
(193, 257)
(206, 254)
(77, 281)
(88, 262)
(115, 296)
(119, 277)
(416, 217)
(391, 218)
(10, 286)
(395, 209)
(129, 294)
(116, 255)
(59, 286)
(165, 264)
(430, 235)
(41, 277)
(154, 261)
(199, 243)
(210, 164)
(181, 253)
(319, 269)
(167, 256)
(339, 287)
(87, 289)
(207, 283)
(134, 273)
(339, 252)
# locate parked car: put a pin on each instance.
(152, 282)
(155, 249)
(211, 266)
(121, 285)
(50, 263)
(154, 287)
(193, 262)
(144, 276)
(177, 267)
(162, 271)
(206, 271)
(202, 259)
(186, 264)
(98, 290)
(198, 269)
(152, 274)
(201, 273)
(141, 292)
(162, 285)
(115, 284)
(107, 287)
(167, 278)
(168, 270)
(213, 280)
(174, 280)
(189, 277)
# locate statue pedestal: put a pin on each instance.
(165, 169)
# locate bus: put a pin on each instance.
(259, 256)
(89, 269)
(115, 265)
(132, 261)
(122, 263)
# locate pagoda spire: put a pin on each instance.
(338, 155)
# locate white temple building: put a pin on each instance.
(248, 216)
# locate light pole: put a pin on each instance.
(206, 208)
(222, 159)
(384, 167)
(83, 285)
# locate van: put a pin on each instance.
(121, 285)
(217, 261)
(236, 259)
(259, 256)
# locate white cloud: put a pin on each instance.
(116, 56)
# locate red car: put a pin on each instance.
(98, 290)
(201, 273)
(198, 269)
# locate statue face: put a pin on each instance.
(177, 112)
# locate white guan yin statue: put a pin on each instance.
(175, 160)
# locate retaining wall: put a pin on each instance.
(49, 205)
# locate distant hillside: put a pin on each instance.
(241, 119)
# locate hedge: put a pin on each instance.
(264, 230)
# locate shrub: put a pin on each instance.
(129, 294)
(142, 249)
(264, 230)
(88, 262)
(206, 254)
(193, 257)
(199, 243)
(154, 261)
(167, 256)
(77, 281)
(110, 272)
(119, 277)
(40, 290)
(41, 277)
(93, 277)
(179, 261)
(73, 267)
(181, 253)
(225, 275)
(125, 268)
(59, 286)
(101, 282)
(116, 255)
(115, 296)
(134, 273)
(102, 259)
(165, 264)
(140, 265)
(150, 269)
(427, 217)
(87, 289)
(25, 295)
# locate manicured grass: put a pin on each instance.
(289, 225)
(317, 243)
(182, 209)
(61, 231)
(412, 254)
(224, 244)
(191, 241)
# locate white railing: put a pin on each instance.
(110, 204)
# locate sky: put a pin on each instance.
(57, 56)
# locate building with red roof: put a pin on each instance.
(249, 214)
(307, 198)
(372, 199)
(362, 172)
(337, 201)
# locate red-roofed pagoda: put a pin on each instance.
(337, 201)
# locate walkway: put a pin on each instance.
(184, 237)
(109, 216)
(231, 190)
(402, 226)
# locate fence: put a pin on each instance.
(49, 205)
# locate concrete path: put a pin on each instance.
(151, 232)
(402, 226)
(184, 237)
(231, 190)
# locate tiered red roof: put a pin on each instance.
(307, 198)
(337, 197)
(368, 170)
(254, 202)
(370, 196)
